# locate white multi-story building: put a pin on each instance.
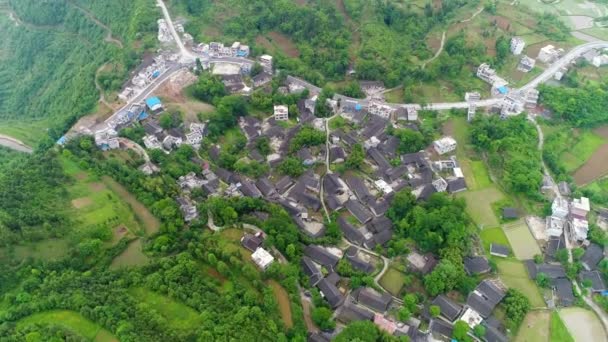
(381, 110)
(266, 62)
(517, 45)
(281, 113)
(444, 145)
(262, 258)
(549, 54)
(151, 142)
(555, 226)
(526, 64)
(580, 207)
(560, 207)
(580, 228)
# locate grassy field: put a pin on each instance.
(283, 300)
(559, 332)
(479, 205)
(587, 143)
(133, 255)
(53, 249)
(29, 132)
(392, 281)
(150, 222)
(535, 327)
(177, 314)
(523, 243)
(513, 274)
(70, 320)
(96, 204)
(493, 235)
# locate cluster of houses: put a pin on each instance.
(215, 49)
(569, 214)
(146, 75)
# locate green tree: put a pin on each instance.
(479, 331)
(542, 280)
(461, 329)
(516, 307)
(322, 318)
(355, 158)
(291, 166)
(209, 88)
(434, 311)
(404, 314)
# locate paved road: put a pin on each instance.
(187, 56)
(565, 60)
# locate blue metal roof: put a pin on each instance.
(143, 115)
(153, 101)
(503, 89)
(358, 107)
(155, 74)
(62, 140)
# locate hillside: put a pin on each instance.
(54, 49)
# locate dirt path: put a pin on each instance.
(14, 144)
(109, 38)
(473, 16)
(436, 53)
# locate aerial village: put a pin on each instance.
(361, 198)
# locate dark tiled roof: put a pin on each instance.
(379, 224)
(457, 185)
(476, 265)
(441, 328)
(593, 255)
(251, 242)
(383, 237)
(563, 290)
(224, 175)
(379, 159)
(265, 186)
(372, 299)
(352, 312)
(485, 298)
(311, 271)
(597, 283)
(396, 172)
(553, 245)
(426, 193)
(360, 265)
(249, 189)
(552, 271)
(336, 153)
(500, 250)
(509, 213)
(449, 309)
(330, 293)
(316, 337)
(359, 211)
(284, 183)
(351, 233)
(494, 335)
(358, 187)
(321, 256)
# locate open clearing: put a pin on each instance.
(595, 165)
(559, 332)
(587, 143)
(150, 222)
(583, 325)
(392, 281)
(522, 242)
(479, 205)
(283, 300)
(177, 314)
(132, 256)
(82, 202)
(48, 250)
(513, 273)
(534, 328)
(70, 320)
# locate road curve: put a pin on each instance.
(14, 144)
(186, 54)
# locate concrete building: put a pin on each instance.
(262, 258)
(549, 54)
(526, 64)
(555, 226)
(559, 207)
(281, 113)
(266, 62)
(444, 145)
(517, 45)
(579, 229)
(580, 207)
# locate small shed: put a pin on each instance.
(509, 213)
(499, 250)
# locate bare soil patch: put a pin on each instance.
(448, 128)
(284, 43)
(97, 186)
(433, 41)
(602, 131)
(283, 300)
(594, 168)
(82, 202)
(81, 176)
(264, 42)
(502, 22)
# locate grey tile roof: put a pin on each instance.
(357, 185)
(321, 256)
(597, 282)
(351, 233)
(441, 328)
(449, 308)
(330, 293)
(251, 242)
(563, 290)
(457, 185)
(499, 250)
(593, 255)
(358, 211)
(476, 265)
(373, 300)
(352, 312)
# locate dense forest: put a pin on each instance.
(583, 106)
(56, 49)
(511, 149)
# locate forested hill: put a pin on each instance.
(50, 51)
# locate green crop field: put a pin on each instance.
(513, 273)
(70, 320)
(586, 144)
(559, 332)
(534, 328)
(177, 314)
(392, 281)
(479, 205)
(493, 235)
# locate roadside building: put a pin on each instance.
(281, 113)
(517, 45)
(154, 104)
(262, 258)
(445, 145)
